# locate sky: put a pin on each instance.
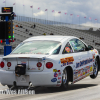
(81, 12)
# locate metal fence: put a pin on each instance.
(55, 23)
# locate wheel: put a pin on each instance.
(95, 70)
(65, 79)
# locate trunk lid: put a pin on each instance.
(30, 61)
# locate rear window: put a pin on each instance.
(38, 47)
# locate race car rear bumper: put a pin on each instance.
(36, 78)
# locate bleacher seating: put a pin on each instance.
(21, 34)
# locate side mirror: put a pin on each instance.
(90, 47)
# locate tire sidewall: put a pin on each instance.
(65, 85)
(95, 75)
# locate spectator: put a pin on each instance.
(21, 26)
(93, 41)
(30, 34)
(81, 38)
(34, 25)
(97, 43)
(15, 39)
(51, 34)
(26, 30)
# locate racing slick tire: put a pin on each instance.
(65, 79)
(95, 70)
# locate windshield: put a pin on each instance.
(38, 47)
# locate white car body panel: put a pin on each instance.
(43, 76)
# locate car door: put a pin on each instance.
(82, 57)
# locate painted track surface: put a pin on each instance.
(86, 89)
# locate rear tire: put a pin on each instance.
(95, 70)
(65, 79)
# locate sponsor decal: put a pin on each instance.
(32, 49)
(54, 80)
(64, 64)
(74, 73)
(87, 67)
(79, 75)
(38, 68)
(61, 65)
(84, 62)
(67, 59)
(54, 70)
(75, 77)
(93, 56)
(88, 70)
(59, 73)
(32, 68)
(58, 81)
(87, 74)
(79, 71)
(59, 62)
(55, 74)
(91, 69)
(83, 73)
(68, 63)
(43, 58)
(59, 78)
(23, 62)
(67, 49)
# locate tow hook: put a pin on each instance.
(14, 86)
(30, 85)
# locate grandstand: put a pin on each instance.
(21, 34)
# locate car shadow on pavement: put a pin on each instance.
(43, 90)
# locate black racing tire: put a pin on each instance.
(65, 79)
(95, 70)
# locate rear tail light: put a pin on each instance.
(9, 64)
(39, 64)
(2, 64)
(49, 65)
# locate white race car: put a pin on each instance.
(50, 61)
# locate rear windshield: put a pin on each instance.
(38, 47)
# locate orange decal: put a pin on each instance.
(62, 60)
(87, 66)
(67, 59)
